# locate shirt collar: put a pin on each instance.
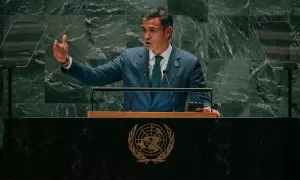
(166, 54)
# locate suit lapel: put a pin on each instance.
(172, 69)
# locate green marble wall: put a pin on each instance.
(219, 33)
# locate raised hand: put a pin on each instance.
(60, 50)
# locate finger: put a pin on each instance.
(61, 49)
(55, 54)
(55, 45)
(64, 40)
(58, 47)
(207, 109)
(55, 48)
(56, 51)
(58, 56)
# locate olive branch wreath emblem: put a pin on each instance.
(144, 159)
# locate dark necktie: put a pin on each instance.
(156, 72)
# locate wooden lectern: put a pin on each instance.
(164, 115)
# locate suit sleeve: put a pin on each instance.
(197, 80)
(101, 75)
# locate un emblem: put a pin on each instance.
(151, 142)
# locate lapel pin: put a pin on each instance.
(176, 64)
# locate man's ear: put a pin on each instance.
(169, 31)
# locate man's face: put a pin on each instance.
(155, 37)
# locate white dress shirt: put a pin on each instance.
(163, 63)
(70, 63)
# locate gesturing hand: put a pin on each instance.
(60, 50)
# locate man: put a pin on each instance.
(145, 67)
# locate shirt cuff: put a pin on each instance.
(69, 65)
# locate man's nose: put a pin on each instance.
(147, 35)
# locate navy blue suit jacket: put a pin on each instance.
(183, 71)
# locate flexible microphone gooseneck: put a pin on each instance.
(171, 92)
(141, 82)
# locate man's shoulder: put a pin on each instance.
(134, 50)
(186, 54)
(131, 55)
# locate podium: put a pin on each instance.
(147, 115)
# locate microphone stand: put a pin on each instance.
(131, 99)
(290, 67)
(7, 150)
(129, 89)
(171, 92)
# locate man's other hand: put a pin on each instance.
(208, 109)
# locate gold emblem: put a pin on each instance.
(151, 142)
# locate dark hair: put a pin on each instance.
(165, 19)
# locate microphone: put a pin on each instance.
(141, 82)
(171, 92)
